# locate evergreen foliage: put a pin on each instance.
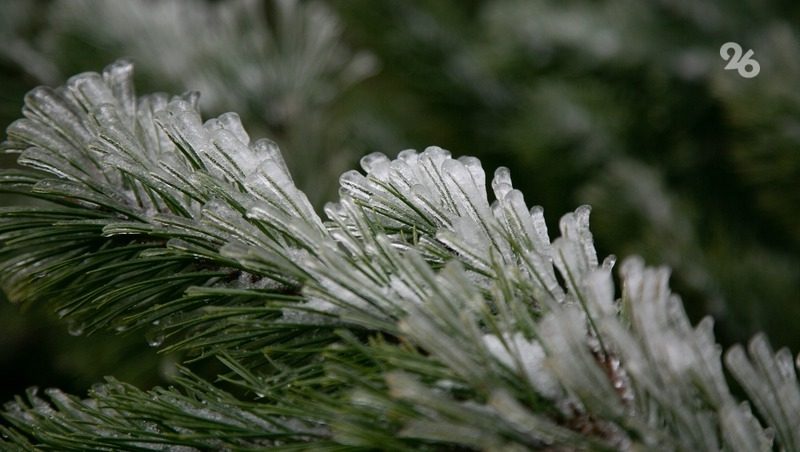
(425, 310)
(625, 103)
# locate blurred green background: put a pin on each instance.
(621, 104)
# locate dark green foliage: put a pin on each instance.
(137, 221)
(417, 315)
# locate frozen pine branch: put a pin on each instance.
(416, 315)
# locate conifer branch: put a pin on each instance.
(418, 315)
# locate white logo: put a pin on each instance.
(739, 62)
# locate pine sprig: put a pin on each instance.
(417, 316)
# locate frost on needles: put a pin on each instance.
(416, 315)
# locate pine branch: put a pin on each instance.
(417, 316)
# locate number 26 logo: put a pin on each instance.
(745, 65)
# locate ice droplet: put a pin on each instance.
(370, 161)
(501, 183)
(154, 337)
(409, 156)
(75, 328)
(608, 262)
(436, 154)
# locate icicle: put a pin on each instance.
(501, 183)
(232, 123)
(89, 90)
(473, 166)
(409, 156)
(598, 288)
(436, 154)
(46, 106)
(119, 77)
(468, 196)
(371, 162)
(539, 224)
(571, 262)
(269, 150)
(609, 262)
(575, 226)
(354, 184)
